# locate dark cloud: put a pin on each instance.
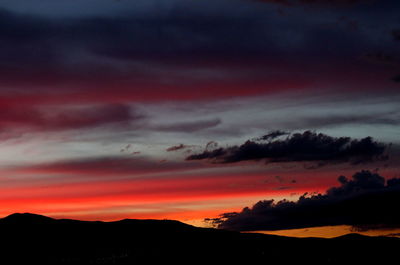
(382, 58)
(328, 3)
(396, 34)
(299, 147)
(90, 54)
(69, 43)
(189, 126)
(396, 78)
(123, 37)
(282, 188)
(272, 135)
(364, 202)
(176, 147)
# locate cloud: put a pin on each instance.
(67, 117)
(390, 118)
(382, 58)
(107, 166)
(124, 58)
(299, 147)
(189, 126)
(364, 202)
(396, 34)
(396, 78)
(327, 3)
(273, 135)
(211, 145)
(177, 147)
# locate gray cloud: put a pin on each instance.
(188, 126)
(391, 118)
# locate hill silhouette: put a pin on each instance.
(35, 239)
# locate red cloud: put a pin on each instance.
(65, 118)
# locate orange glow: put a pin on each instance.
(327, 232)
(186, 198)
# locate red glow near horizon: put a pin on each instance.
(75, 193)
(180, 198)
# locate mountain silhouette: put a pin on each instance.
(35, 239)
(26, 219)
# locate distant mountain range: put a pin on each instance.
(35, 239)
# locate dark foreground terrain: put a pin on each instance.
(35, 239)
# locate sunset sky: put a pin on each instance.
(191, 109)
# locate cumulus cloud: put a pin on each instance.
(365, 202)
(299, 147)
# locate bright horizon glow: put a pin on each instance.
(328, 232)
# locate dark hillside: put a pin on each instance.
(35, 239)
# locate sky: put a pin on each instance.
(230, 113)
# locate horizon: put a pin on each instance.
(265, 115)
(314, 232)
